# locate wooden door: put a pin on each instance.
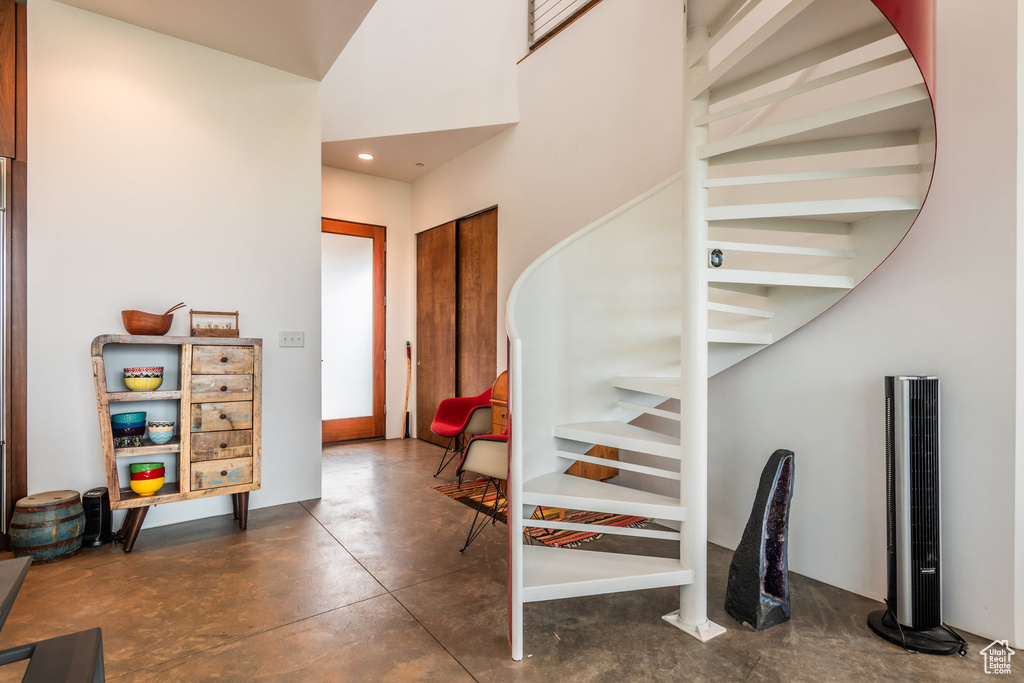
(478, 302)
(436, 307)
(360, 426)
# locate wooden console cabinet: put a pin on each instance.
(212, 388)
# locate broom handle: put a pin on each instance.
(408, 381)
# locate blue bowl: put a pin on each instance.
(129, 431)
(129, 419)
(162, 438)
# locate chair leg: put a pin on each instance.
(475, 530)
(445, 458)
(500, 503)
(527, 533)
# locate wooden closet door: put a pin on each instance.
(478, 302)
(436, 306)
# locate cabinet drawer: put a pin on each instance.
(499, 418)
(209, 475)
(222, 360)
(222, 388)
(219, 417)
(221, 445)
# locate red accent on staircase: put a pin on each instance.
(914, 20)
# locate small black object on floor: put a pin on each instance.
(933, 641)
(96, 503)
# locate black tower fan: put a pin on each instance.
(913, 615)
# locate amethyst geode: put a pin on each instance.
(758, 592)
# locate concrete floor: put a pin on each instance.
(366, 584)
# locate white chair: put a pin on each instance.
(486, 455)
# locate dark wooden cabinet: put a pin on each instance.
(435, 324)
(8, 78)
(456, 313)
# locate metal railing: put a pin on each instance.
(548, 16)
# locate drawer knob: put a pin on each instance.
(223, 445)
(223, 416)
(224, 388)
(224, 359)
(223, 473)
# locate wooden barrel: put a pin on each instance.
(48, 526)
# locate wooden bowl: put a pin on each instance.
(140, 323)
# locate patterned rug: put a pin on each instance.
(471, 492)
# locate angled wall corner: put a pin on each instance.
(415, 67)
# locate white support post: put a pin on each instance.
(514, 509)
(692, 616)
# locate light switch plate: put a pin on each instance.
(291, 338)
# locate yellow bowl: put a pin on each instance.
(143, 383)
(147, 487)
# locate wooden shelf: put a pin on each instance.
(149, 448)
(122, 396)
(234, 362)
(169, 489)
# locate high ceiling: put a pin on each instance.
(303, 37)
(406, 157)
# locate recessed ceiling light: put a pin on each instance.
(365, 156)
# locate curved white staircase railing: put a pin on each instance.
(808, 156)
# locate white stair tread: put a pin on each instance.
(774, 279)
(800, 87)
(576, 493)
(821, 207)
(740, 310)
(780, 249)
(650, 410)
(639, 532)
(622, 465)
(669, 387)
(553, 573)
(621, 435)
(733, 337)
(791, 150)
(818, 121)
(767, 179)
(737, 55)
(810, 58)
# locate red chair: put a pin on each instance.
(459, 417)
(486, 455)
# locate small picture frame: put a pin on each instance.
(213, 323)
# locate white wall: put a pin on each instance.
(1019, 461)
(600, 110)
(366, 199)
(417, 66)
(163, 172)
(933, 308)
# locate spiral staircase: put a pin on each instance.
(809, 150)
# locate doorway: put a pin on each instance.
(456, 313)
(352, 330)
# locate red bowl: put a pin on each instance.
(149, 474)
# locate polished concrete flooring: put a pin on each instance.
(366, 584)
